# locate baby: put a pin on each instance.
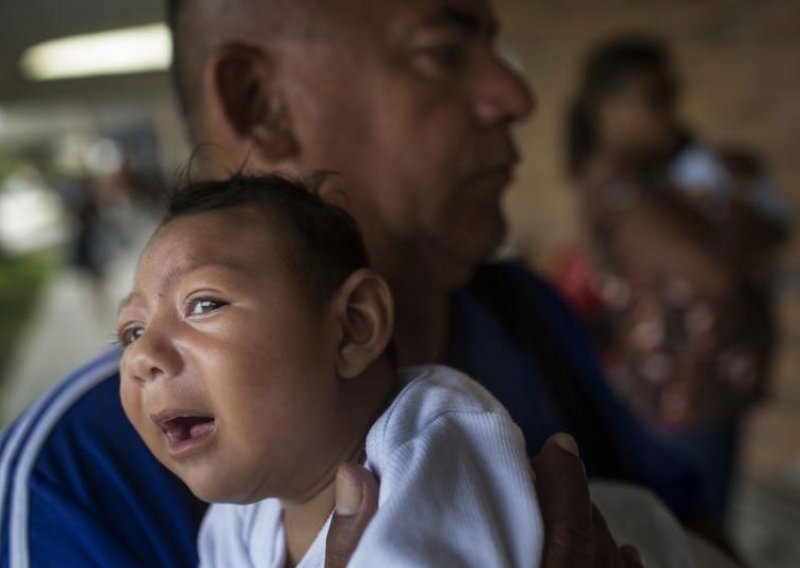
(255, 363)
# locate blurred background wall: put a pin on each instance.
(120, 136)
(739, 61)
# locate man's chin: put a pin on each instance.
(461, 264)
(486, 243)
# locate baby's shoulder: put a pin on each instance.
(429, 394)
(434, 389)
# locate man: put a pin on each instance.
(409, 101)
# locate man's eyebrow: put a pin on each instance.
(465, 20)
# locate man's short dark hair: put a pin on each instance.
(186, 56)
(325, 245)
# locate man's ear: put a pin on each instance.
(365, 312)
(244, 83)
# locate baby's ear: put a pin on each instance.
(365, 311)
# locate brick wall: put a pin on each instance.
(740, 63)
(739, 59)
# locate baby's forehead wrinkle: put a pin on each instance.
(177, 250)
(173, 274)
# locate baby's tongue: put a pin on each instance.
(188, 427)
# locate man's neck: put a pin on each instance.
(422, 327)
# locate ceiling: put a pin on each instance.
(28, 22)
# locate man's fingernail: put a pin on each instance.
(349, 493)
(566, 443)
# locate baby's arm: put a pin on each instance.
(460, 493)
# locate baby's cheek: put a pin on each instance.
(130, 397)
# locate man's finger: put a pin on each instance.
(607, 555)
(632, 557)
(566, 507)
(356, 503)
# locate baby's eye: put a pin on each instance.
(129, 335)
(200, 306)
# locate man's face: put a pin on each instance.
(409, 100)
(228, 372)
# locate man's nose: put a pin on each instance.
(153, 356)
(504, 95)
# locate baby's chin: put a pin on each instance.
(222, 485)
(218, 489)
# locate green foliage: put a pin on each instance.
(21, 280)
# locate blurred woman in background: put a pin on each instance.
(675, 275)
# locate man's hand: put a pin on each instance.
(576, 534)
(356, 503)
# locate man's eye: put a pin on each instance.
(202, 306)
(130, 334)
(446, 57)
(450, 55)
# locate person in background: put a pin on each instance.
(92, 242)
(676, 272)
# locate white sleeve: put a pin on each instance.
(460, 493)
(636, 516)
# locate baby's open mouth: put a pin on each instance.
(187, 427)
(182, 428)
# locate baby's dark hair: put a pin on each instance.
(325, 243)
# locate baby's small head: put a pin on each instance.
(254, 339)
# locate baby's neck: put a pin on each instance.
(303, 520)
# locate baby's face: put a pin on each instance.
(228, 372)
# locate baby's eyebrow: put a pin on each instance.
(232, 264)
(178, 272)
(126, 301)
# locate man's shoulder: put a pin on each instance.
(508, 270)
(77, 483)
(36, 444)
(513, 282)
(521, 300)
(83, 391)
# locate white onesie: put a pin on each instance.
(455, 489)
